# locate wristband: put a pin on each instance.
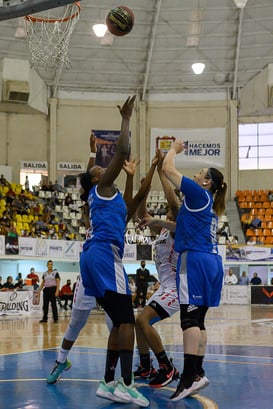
(92, 155)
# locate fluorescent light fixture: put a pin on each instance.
(99, 29)
(198, 68)
(240, 3)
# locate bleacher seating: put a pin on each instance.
(253, 205)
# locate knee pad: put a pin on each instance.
(189, 316)
(187, 323)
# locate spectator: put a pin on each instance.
(66, 294)
(68, 199)
(27, 183)
(57, 187)
(255, 280)
(8, 284)
(231, 278)
(142, 280)
(34, 278)
(243, 279)
(19, 284)
(270, 196)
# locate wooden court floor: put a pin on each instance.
(239, 362)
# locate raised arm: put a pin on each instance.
(130, 170)
(122, 148)
(168, 165)
(139, 200)
(169, 192)
(93, 150)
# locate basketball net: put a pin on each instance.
(49, 37)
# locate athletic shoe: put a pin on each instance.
(203, 384)
(145, 373)
(164, 376)
(41, 321)
(57, 370)
(106, 391)
(130, 394)
(182, 391)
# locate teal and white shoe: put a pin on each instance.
(130, 394)
(57, 370)
(106, 391)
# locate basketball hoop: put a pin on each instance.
(49, 37)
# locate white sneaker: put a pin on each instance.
(203, 383)
(182, 392)
(106, 391)
(130, 394)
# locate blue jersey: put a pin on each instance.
(196, 223)
(107, 216)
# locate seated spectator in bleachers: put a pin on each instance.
(50, 186)
(8, 285)
(57, 187)
(68, 199)
(256, 223)
(3, 181)
(162, 211)
(66, 294)
(270, 196)
(40, 224)
(247, 222)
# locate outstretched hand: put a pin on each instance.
(127, 108)
(130, 166)
(178, 145)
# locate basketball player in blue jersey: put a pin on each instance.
(84, 304)
(104, 276)
(199, 268)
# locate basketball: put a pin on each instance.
(120, 21)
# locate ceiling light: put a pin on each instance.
(240, 3)
(198, 68)
(99, 29)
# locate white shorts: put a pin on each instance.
(80, 300)
(167, 299)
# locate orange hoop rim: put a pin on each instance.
(54, 20)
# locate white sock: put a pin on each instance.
(62, 355)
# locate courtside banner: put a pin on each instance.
(130, 252)
(203, 147)
(27, 246)
(71, 249)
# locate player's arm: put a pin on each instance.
(169, 192)
(139, 201)
(122, 149)
(157, 224)
(93, 150)
(168, 165)
(130, 170)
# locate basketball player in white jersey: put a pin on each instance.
(164, 302)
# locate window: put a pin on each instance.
(256, 146)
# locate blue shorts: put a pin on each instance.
(199, 278)
(102, 269)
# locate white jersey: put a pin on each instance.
(165, 259)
